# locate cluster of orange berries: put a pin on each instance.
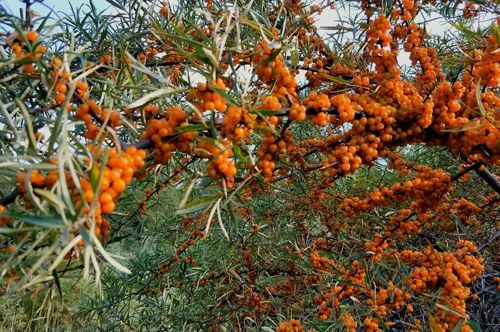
(308, 40)
(206, 99)
(61, 80)
(377, 247)
(466, 211)
(271, 103)
(363, 82)
(271, 149)
(487, 66)
(348, 321)
(36, 179)
(410, 34)
(377, 32)
(476, 133)
(345, 108)
(319, 102)
(21, 50)
(453, 270)
(379, 122)
(220, 164)
(291, 326)
(378, 35)
(193, 237)
(162, 132)
(118, 173)
(321, 263)
(403, 225)
(90, 110)
(476, 130)
(297, 112)
(428, 188)
(430, 65)
(397, 163)
(61, 89)
(274, 71)
(446, 105)
(255, 301)
(371, 324)
(343, 158)
(355, 277)
(390, 298)
(406, 12)
(238, 123)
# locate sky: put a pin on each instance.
(327, 18)
(56, 5)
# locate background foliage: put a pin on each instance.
(187, 250)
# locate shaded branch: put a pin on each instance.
(9, 198)
(489, 178)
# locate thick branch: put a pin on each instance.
(489, 178)
(9, 198)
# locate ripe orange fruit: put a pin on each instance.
(59, 99)
(61, 88)
(108, 207)
(32, 35)
(105, 198)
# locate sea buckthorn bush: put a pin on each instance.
(239, 166)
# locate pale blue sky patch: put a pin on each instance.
(58, 6)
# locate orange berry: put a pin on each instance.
(105, 198)
(108, 207)
(89, 195)
(60, 97)
(119, 185)
(29, 68)
(115, 174)
(32, 35)
(61, 88)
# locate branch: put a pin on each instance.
(488, 242)
(489, 178)
(10, 197)
(474, 166)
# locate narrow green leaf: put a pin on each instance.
(29, 123)
(482, 110)
(190, 128)
(334, 79)
(224, 95)
(154, 95)
(459, 326)
(474, 326)
(198, 204)
(57, 282)
(267, 112)
(42, 221)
